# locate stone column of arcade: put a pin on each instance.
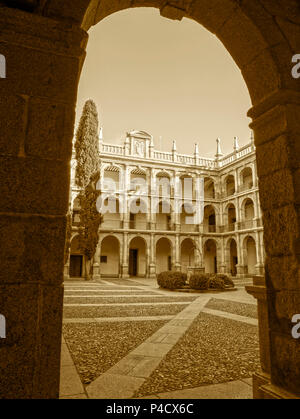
(37, 108)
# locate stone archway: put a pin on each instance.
(250, 253)
(138, 257)
(110, 257)
(210, 257)
(187, 254)
(163, 255)
(38, 100)
(163, 216)
(233, 256)
(76, 268)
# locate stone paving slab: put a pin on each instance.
(180, 322)
(66, 359)
(76, 396)
(231, 316)
(145, 367)
(229, 390)
(103, 290)
(126, 364)
(111, 284)
(117, 296)
(173, 329)
(172, 338)
(152, 349)
(239, 296)
(117, 319)
(128, 304)
(113, 386)
(70, 383)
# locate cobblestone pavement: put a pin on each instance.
(125, 339)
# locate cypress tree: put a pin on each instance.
(87, 145)
(86, 178)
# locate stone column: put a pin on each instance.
(67, 269)
(277, 132)
(237, 214)
(152, 264)
(153, 201)
(259, 291)
(96, 264)
(177, 265)
(237, 181)
(240, 267)
(125, 187)
(125, 262)
(177, 215)
(37, 109)
(259, 268)
(224, 257)
(254, 175)
(257, 209)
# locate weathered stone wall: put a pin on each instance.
(37, 117)
(44, 48)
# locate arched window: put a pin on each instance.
(209, 222)
(246, 179)
(230, 185)
(209, 189)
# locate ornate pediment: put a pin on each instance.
(140, 134)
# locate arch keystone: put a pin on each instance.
(172, 12)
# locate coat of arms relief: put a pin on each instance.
(139, 148)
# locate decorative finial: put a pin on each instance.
(196, 149)
(236, 144)
(174, 148)
(219, 151)
(101, 134)
(252, 137)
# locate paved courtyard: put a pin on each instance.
(130, 339)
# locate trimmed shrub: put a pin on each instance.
(199, 282)
(227, 281)
(216, 283)
(171, 280)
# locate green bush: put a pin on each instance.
(199, 282)
(171, 280)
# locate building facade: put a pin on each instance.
(169, 211)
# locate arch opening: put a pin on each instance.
(163, 216)
(230, 185)
(187, 254)
(231, 217)
(76, 269)
(163, 255)
(137, 257)
(210, 257)
(233, 258)
(251, 258)
(209, 221)
(246, 179)
(209, 189)
(110, 257)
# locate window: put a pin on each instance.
(103, 259)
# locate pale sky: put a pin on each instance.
(172, 79)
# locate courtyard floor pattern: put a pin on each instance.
(135, 344)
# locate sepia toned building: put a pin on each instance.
(153, 229)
